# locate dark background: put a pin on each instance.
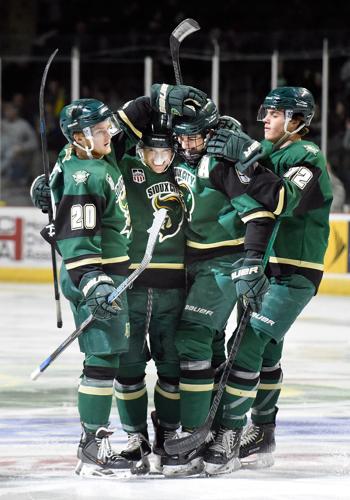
(114, 38)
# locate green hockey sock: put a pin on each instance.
(195, 399)
(167, 403)
(132, 403)
(263, 409)
(94, 402)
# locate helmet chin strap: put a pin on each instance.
(286, 136)
(86, 149)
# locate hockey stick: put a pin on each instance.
(47, 175)
(153, 231)
(182, 31)
(198, 437)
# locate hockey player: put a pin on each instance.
(156, 299)
(302, 191)
(216, 239)
(92, 225)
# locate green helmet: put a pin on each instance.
(80, 115)
(206, 118)
(293, 100)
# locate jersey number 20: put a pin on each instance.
(83, 217)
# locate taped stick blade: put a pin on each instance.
(184, 29)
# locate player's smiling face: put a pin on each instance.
(157, 159)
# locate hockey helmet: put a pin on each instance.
(293, 100)
(158, 138)
(82, 114)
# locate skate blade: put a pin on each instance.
(258, 461)
(93, 471)
(157, 463)
(218, 469)
(141, 467)
(190, 469)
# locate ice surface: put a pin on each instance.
(39, 424)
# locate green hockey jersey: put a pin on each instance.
(147, 192)
(92, 220)
(217, 217)
(301, 193)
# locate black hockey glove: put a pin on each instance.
(251, 282)
(177, 100)
(96, 288)
(40, 194)
(228, 122)
(235, 146)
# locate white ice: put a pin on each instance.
(39, 423)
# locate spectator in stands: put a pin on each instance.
(19, 145)
(338, 191)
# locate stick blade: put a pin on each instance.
(184, 29)
(188, 443)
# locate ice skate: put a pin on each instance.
(257, 446)
(136, 452)
(186, 464)
(160, 435)
(221, 457)
(96, 457)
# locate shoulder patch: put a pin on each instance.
(81, 176)
(138, 175)
(311, 149)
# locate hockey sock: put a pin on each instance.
(196, 387)
(238, 397)
(263, 409)
(167, 402)
(132, 400)
(94, 402)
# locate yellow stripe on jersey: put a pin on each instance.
(280, 201)
(158, 265)
(297, 263)
(112, 260)
(257, 215)
(227, 243)
(83, 262)
(126, 120)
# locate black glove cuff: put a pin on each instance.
(253, 254)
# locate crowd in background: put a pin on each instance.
(112, 49)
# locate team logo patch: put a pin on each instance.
(311, 149)
(81, 176)
(138, 175)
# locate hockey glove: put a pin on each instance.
(40, 194)
(96, 288)
(177, 100)
(228, 122)
(251, 282)
(235, 146)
